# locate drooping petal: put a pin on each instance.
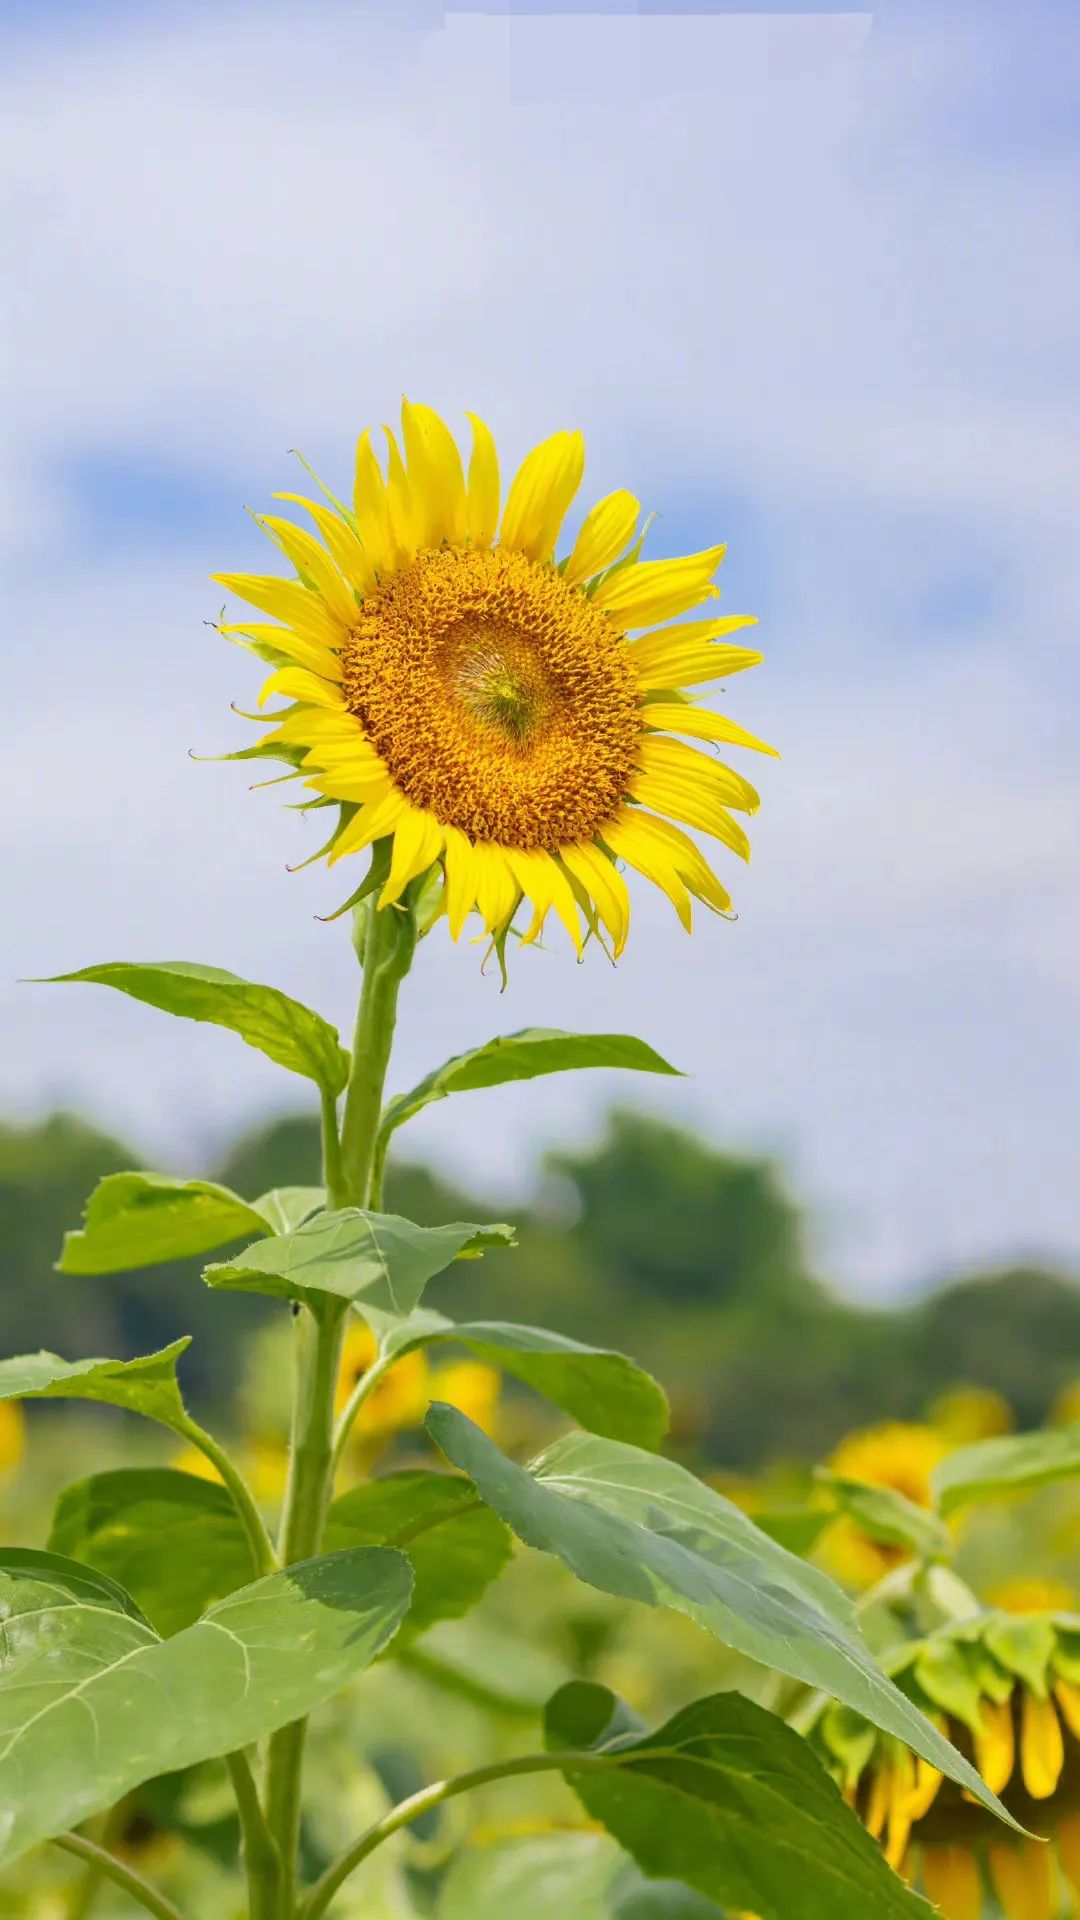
(540, 495)
(700, 723)
(995, 1744)
(460, 879)
(297, 683)
(497, 893)
(697, 772)
(1042, 1749)
(652, 590)
(1067, 1696)
(371, 823)
(540, 880)
(695, 807)
(605, 884)
(951, 1880)
(606, 530)
(483, 491)
(417, 844)
(1023, 1879)
(436, 479)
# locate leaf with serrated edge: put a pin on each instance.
(376, 1258)
(1006, 1465)
(643, 1528)
(457, 1546)
(172, 1540)
(732, 1801)
(94, 1703)
(602, 1390)
(142, 1219)
(524, 1056)
(147, 1385)
(284, 1029)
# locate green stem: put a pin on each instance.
(262, 1547)
(386, 943)
(321, 1894)
(113, 1869)
(262, 1861)
(366, 1384)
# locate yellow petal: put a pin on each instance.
(925, 1790)
(694, 808)
(701, 724)
(286, 600)
(296, 683)
(1024, 1879)
(460, 879)
(417, 844)
(697, 772)
(1068, 1698)
(483, 490)
(497, 892)
(349, 555)
(541, 881)
(1042, 1749)
(995, 1745)
(1068, 1847)
(604, 884)
(690, 862)
(627, 837)
(606, 530)
(371, 823)
(399, 501)
(665, 646)
(877, 1806)
(692, 670)
(540, 495)
(361, 784)
(901, 1788)
(295, 646)
(952, 1881)
(653, 590)
(314, 564)
(373, 507)
(436, 480)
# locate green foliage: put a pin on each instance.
(888, 1516)
(143, 1219)
(148, 1386)
(282, 1028)
(603, 1391)
(523, 1056)
(354, 1255)
(732, 1801)
(644, 1528)
(457, 1547)
(170, 1539)
(1013, 1464)
(579, 1876)
(94, 1702)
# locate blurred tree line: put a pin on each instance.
(691, 1259)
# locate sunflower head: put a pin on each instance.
(1006, 1691)
(897, 1454)
(471, 705)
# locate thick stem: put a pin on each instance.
(262, 1861)
(420, 1803)
(112, 1869)
(386, 946)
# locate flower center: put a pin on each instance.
(500, 699)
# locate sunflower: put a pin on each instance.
(897, 1454)
(470, 704)
(1006, 1690)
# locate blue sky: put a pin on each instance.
(810, 283)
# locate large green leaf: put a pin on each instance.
(642, 1527)
(456, 1545)
(602, 1390)
(523, 1056)
(579, 1876)
(375, 1258)
(888, 1516)
(92, 1702)
(141, 1219)
(728, 1799)
(147, 1385)
(284, 1029)
(1007, 1465)
(171, 1540)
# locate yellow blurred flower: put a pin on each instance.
(1033, 1595)
(266, 1465)
(967, 1414)
(897, 1454)
(193, 1460)
(1065, 1411)
(12, 1434)
(470, 1386)
(399, 1400)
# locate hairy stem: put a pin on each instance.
(110, 1868)
(321, 1894)
(386, 942)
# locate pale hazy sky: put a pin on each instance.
(810, 283)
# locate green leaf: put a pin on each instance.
(523, 1056)
(888, 1516)
(141, 1219)
(457, 1547)
(579, 1876)
(286, 1031)
(641, 1527)
(376, 1258)
(797, 1528)
(92, 1702)
(1007, 1465)
(148, 1385)
(730, 1800)
(170, 1539)
(602, 1390)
